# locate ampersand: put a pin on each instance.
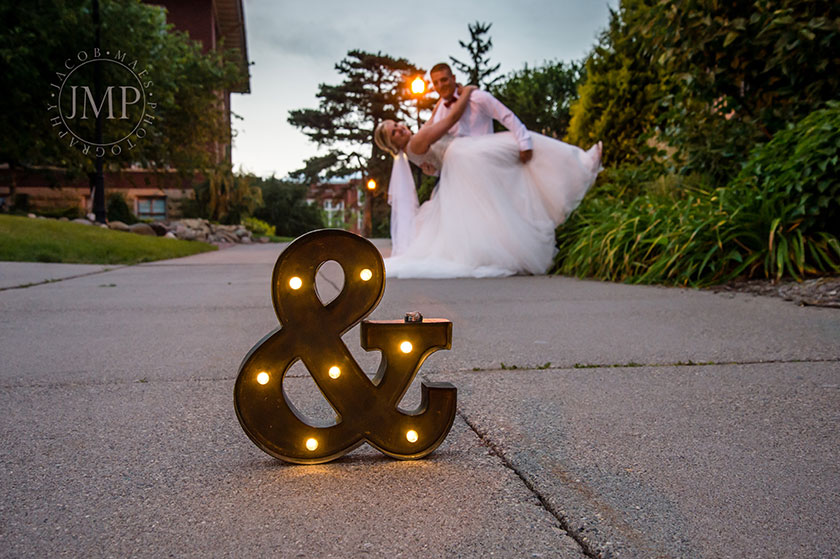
(367, 410)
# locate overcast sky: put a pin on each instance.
(295, 45)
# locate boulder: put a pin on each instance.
(82, 221)
(142, 229)
(117, 226)
(159, 228)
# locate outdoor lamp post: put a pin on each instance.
(371, 188)
(418, 88)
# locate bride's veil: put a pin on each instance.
(402, 196)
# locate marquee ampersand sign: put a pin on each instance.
(367, 410)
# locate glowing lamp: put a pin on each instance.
(371, 184)
(311, 333)
(418, 85)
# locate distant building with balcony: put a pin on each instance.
(339, 203)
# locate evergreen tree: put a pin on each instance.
(284, 207)
(375, 88)
(478, 71)
(542, 97)
(619, 98)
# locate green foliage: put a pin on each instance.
(227, 197)
(39, 36)
(619, 100)
(117, 209)
(259, 227)
(746, 70)
(686, 95)
(45, 240)
(478, 70)
(692, 236)
(803, 164)
(542, 97)
(285, 208)
(71, 212)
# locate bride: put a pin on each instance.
(490, 215)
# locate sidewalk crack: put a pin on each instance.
(56, 280)
(585, 546)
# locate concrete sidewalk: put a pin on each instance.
(594, 419)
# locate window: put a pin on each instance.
(151, 208)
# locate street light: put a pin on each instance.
(418, 88)
(371, 186)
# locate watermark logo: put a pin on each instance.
(122, 101)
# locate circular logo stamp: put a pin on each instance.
(101, 87)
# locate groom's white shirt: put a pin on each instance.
(478, 117)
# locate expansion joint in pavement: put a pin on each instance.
(56, 280)
(585, 547)
(633, 364)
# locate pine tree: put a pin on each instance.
(479, 70)
(374, 89)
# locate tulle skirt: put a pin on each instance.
(493, 216)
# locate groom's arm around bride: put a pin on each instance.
(483, 108)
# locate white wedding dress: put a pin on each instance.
(491, 215)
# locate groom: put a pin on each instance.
(482, 109)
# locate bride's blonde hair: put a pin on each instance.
(383, 140)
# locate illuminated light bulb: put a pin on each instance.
(366, 274)
(295, 282)
(371, 184)
(311, 444)
(334, 372)
(418, 85)
(406, 347)
(412, 436)
(262, 378)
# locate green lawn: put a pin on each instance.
(24, 239)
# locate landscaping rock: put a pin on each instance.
(82, 221)
(159, 228)
(142, 229)
(118, 226)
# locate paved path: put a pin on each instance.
(594, 420)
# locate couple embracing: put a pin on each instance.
(499, 198)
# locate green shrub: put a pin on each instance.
(117, 209)
(72, 212)
(700, 238)
(803, 163)
(259, 227)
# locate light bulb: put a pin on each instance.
(334, 372)
(262, 378)
(295, 282)
(412, 436)
(311, 444)
(406, 347)
(366, 274)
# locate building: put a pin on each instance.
(151, 195)
(340, 204)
